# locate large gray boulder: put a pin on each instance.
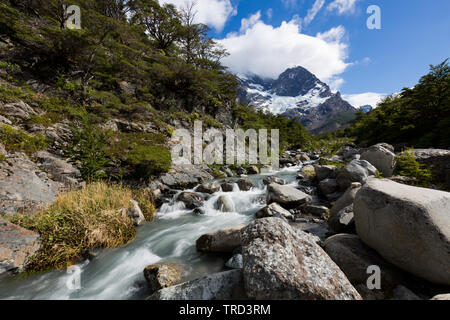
(355, 171)
(323, 172)
(226, 285)
(408, 226)
(273, 210)
(283, 263)
(17, 245)
(287, 197)
(273, 179)
(328, 186)
(221, 241)
(347, 198)
(24, 186)
(382, 158)
(354, 258)
(185, 176)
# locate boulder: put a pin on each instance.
(408, 226)
(343, 221)
(283, 263)
(185, 176)
(161, 276)
(354, 258)
(19, 110)
(303, 156)
(17, 245)
(347, 199)
(209, 188)
(323, 172)
(24, 186)
(319, 211)
(225, 204)
(439, 162)
(441, 297)
(355, 171)
(135, 213)
(287, 197)
(382, 158)
(235, 262)
(221, 241)
(227, 187)
(402, 293)
(253, 170)
(273, 179)
(191, 200)
(273, 210)
(245, 184)
(309, 171)
(226, 285)
(328, 186)
(59, 170)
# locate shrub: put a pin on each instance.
(407, 165)
(16, 140)
(150, 160)
(79, 221)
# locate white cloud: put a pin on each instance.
(289, 3)
(314, 11)
(362, 99)
(250, 22)
(268, 51)
(214, 13)
(343, 6)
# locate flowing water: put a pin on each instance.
(118, 273)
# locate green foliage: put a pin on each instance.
(150, 160)
(407, 165)
(419, 116)
(16, 140)
(2, 157)
(89, 147)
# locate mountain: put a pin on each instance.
(297, 93)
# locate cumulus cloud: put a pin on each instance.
(268, 51)
(314, 11)
(250, 22)
(214, 13)
(342, 6)
(362, 99)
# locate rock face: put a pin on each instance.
(354, 258)
(16, 246)
(343, 221)
(191, 200)
(226, 285)
(408, 226)
(273, 210)
(382, 158)
(222, 241)
(23, 186)
(287, 197)
(283, 263)
(355, 171)
(161, 276)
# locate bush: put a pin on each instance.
(407, 165)
(82, 220)
(150, 161)
(16, 140)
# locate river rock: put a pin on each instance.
(323, 172)
(209, 188)
(319, 211)
(245, 184)
(235, 262)
(227, 187)
(191, 200)
(273, 210)
(225, 204)
(226, 285)
(135, 213)
(347, 198)
(185, 176)
(161, 276)
(287, 197)
(408, 226)
(283, 263)
(328, 186)
(24, 186)
(273, 179)
(253, 170)
(355, 171)
(441, 297)
(343, 221)
(17, 245)
(221, 241)
(354, 258)
(382, 158)
(308, 171)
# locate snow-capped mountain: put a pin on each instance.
(297, 93)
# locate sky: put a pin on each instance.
(331, 39)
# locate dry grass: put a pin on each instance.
(82, 220)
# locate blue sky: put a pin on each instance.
(331, 39)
